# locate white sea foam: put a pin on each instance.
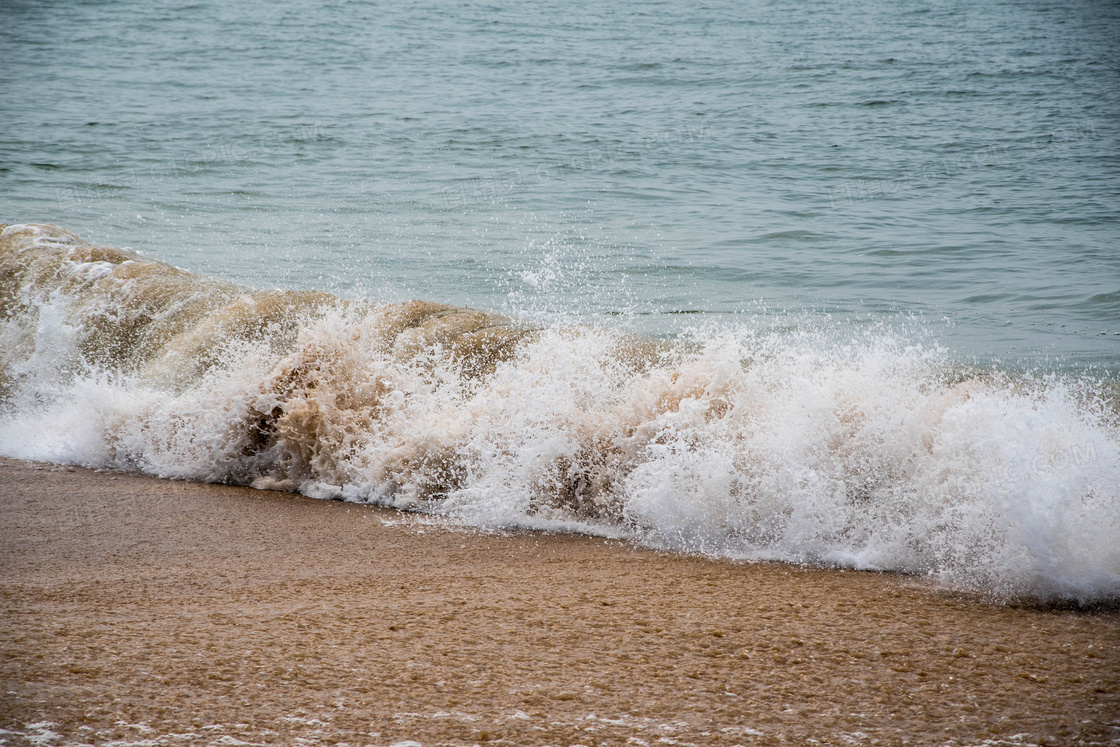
(867, 453)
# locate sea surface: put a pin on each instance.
(825, 282)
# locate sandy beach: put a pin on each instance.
(157, 612)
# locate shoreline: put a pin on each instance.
(140, 609)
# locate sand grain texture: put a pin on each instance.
(177, 613)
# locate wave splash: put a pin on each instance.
(871, 453)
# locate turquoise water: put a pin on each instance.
(950, 169)
(886, 233)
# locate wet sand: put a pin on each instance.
(162, 612)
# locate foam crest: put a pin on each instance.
(871, 453)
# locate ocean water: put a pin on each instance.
(833, 283)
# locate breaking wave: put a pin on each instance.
(870, 453)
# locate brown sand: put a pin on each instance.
(177, 613)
